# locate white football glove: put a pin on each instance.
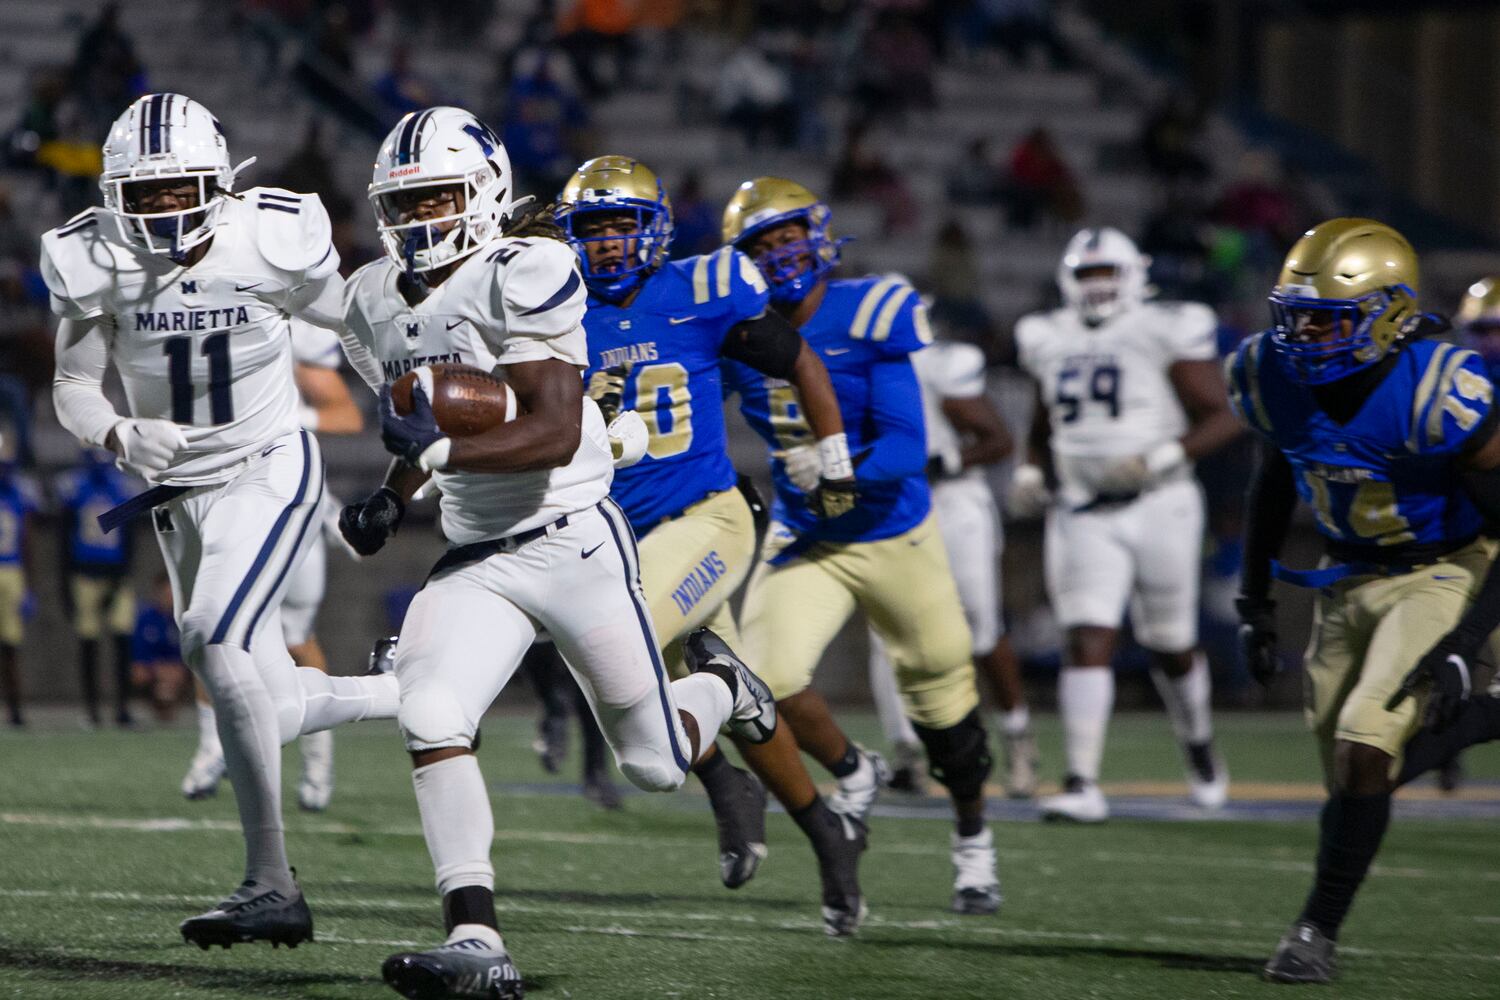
(147, 447)
(628, 438)
(1132, 475)
(1028, 495)
(803, 466)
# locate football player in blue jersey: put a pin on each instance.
(1391, 438)
(18, 504)
(658, 331)
(885, 556)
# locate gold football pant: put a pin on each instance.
(100, 603)
(12, 595)
(691, 566)
(1368, 632)
(902, 584)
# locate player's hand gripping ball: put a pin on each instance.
(422, 409)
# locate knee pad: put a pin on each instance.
(197, 626)
(958, 757)
(289, 715)
(648, 770)
(431, 718)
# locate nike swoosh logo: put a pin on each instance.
(589, 552)
(274, 447)
(452, 325)
(246, 288)
(832, 351)
(674, 320)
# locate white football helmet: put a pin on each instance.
(160, 137)
(440, 147)
(1117, 285)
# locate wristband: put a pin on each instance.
(833, 456)
(1165, 457)
(435, 457)
(307, 416)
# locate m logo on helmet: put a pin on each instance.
(485, 136)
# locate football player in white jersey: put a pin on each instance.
(535, 543)
(185, 285)
(1129, 394)
(326, 408)
(965, 433)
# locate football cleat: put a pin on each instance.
(1207, 777)
(315, 789)
(1080, 801)
(1304, 955)
(844, 906)
(976, 887)
(753, 718)
(462, 970)
(1451, 775)
(1021, 763)
(907, 774)
(252, 913)
(598, 789)
(857, 792)
(551, 743)
(740, 815)
(204, 774)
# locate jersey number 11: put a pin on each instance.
(179, 352)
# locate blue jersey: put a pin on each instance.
(155, 639)
(863, 330)
(671, 335)
(16, 502)
(1388, 477)
(84, 494)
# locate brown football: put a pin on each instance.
(465, 400)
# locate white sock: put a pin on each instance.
(893, 720)
(468, 932)
(1189, 700)
(457, 822)
(1086, 696)
(251, 740)
(317, 756)
(1015, 722)
(708, 700)
(332, 701)
(208, 731)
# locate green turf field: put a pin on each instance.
(100, 858)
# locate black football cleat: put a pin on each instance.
(252, 913)
(844, 906)
(1304, 955)
(598, 789)
(740, 814)
(753, 717)
(464, 970)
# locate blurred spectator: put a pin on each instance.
(400, 90)
(55, 137)
(953, 278)
(156, 653)
(863, 174)
(1020, 27)
(544, 123)
(96, 577)
(755, 97)
(895, 67)
(596, 34)
(695, 222)
(310, 169)
(1170, 140)
(325, 68)
(1041, 184)
(106, 74)
(1258, 205)
(976, 179)
(18, 502)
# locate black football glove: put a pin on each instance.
(1447, 670)
(833, 497)
(1258, 637)
(607, 389)
(366, 524)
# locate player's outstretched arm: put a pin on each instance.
(328, 407)
(1211, 423)
(544, 435)
(900, 448)
(81, 354)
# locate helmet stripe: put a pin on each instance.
(416, 137)
(166, 125)
(403, 145)
(154, 126)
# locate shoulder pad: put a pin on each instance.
(890, 316)
(729, 277)
(538, 276)
(292, 231)
(1453, 396)
(1244, 370)
(78, 265)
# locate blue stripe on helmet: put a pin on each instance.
(416, 137)
(166, 125)
(154, 125)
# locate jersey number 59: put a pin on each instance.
(1102, 386)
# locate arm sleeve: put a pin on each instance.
(1268, 513)
(539, 299)
(82, 357)
(358, 339)
(767, 343)
(900, 448)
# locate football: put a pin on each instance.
(466, 400)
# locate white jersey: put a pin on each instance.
(315, 346)
(514, 300)
(948, 370)
(204, 346)
(1107, 389)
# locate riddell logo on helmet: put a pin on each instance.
(415, 168)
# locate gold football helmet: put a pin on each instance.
(618, 185)
(1346, 296)
(792, 269)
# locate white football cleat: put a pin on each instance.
(1207, 778)
(1021, 762)
(976, 887)
(857, 792)
(204, 773)
(315, 790)
(1080, 802)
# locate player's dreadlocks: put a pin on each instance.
(536, 221)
